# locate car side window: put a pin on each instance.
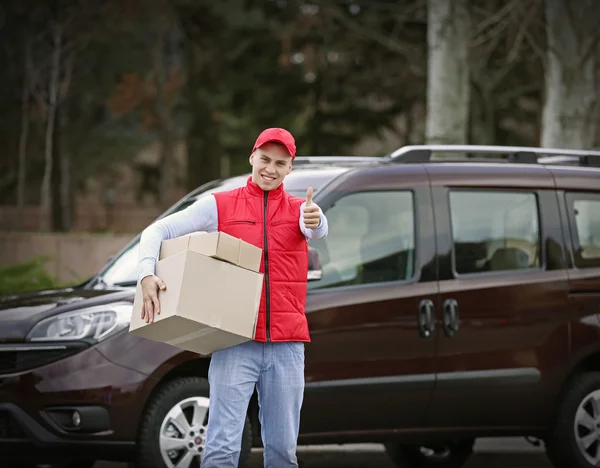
(371, 239)
(494, 231)
(585, 225)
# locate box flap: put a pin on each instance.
(228, 248)
(250, 256)
(171, 247)
(204, 243)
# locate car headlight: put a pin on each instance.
(93, 323)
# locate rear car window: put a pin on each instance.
(494, 231)
(584, 214)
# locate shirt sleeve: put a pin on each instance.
(202, 215)
(320, 232)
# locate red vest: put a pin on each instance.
(270, 220)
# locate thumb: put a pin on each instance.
(309, 193)
(161, 284)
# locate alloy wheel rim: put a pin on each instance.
(182, 436)
(587, 428)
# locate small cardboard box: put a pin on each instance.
(212, 295)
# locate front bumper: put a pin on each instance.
(37, 411)
(24, 440)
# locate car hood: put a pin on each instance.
(18, 313)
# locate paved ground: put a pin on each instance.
(491, 453)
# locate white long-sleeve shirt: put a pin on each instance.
(202, 215)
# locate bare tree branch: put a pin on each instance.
(537, 48)
(406, 50)
(498, 17)
(525, 23)
(66, 82)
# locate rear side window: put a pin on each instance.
(584, 213)
(494, 231)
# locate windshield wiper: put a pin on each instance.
(126, 284)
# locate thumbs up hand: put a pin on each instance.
(312, 213)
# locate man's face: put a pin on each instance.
(270, 164)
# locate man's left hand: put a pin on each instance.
(312, 214)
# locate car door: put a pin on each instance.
(579, 194)
(583, 212)
(504, 307)
(369, 365)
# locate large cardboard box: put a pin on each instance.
(212, 295)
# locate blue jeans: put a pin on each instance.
(277, 370)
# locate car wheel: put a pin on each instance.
(173, 429)
(449, 455)
(574, 441)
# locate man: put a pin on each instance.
(263, 214)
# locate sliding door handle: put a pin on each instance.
(426, 318)
(451, 318)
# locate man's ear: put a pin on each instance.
(251, 158)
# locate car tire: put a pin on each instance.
(575, 414)
(186, 394)
(449, 455)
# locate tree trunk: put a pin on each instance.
(448, 71)
(316, 122)
(66, 191)
(24, 134)
(165, 121)
(204, 146)
(570, 113)
(61, 177)
(56, 178)
(51, 115)
(482, 121)
(66, 185)
(204, 149)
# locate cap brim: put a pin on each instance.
(276, 140)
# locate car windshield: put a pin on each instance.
(121, 270)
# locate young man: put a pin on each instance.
(263, 214)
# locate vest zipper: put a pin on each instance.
(266, 254)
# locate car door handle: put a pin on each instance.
(451, 319)
(426, 319)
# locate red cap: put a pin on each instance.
(280, 135)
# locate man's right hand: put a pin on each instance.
(150, 286)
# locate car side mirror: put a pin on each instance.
(314, 265)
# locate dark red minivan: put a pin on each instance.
(454, 298)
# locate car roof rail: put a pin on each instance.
(512, 154)
(323, 160)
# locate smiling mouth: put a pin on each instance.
(267, 178)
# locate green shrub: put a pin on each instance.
(27, 276)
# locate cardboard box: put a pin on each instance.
(213, 291)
